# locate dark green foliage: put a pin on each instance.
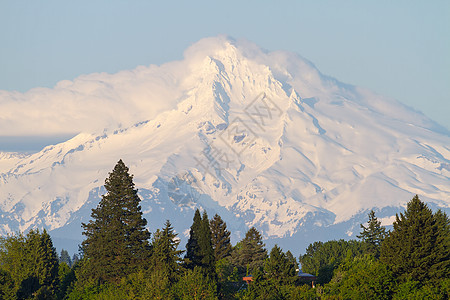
(199, 251)
(116, 241)
(165, 256)
(251, 253)
(134, 286)
(194, 285)
(373, 235)
(278, 268)
(441, 249)
(208, 262)
(29, 264)
(6, 285)
(261, 288)
(220, 238)
(275, 281)
(227, 277)
(66, 279)
(193, 253)
(64, 257)
(416, 290)
(362, 277)
(418, 247)
(292, 259)
(322, 258)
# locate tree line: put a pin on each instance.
(120, 259)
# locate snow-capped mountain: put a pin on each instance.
(262, 138)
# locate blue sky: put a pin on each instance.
(399, 49)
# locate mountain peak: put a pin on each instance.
(262, 138)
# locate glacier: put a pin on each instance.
(261, 138)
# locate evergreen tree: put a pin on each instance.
(220, 238)
(165, 256)
(441, 254)
(361, 277)
(292, 259)
(321, 259)
(193, 254)
(116, 241)
(6, 285)
(206, 247)
(47, 261)
(278, 268)
(373, 235)
(31, 264)
(194, 285)
(199, 251)
(14, 262)
(251, 253)
(65, 257)
(417, 248)
(75, 259)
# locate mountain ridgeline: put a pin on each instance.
(261, 138)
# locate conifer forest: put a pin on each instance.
(120, 259)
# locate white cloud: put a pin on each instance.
(90, 102)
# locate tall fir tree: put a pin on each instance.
(415, 249)
(193, 255)
(206, 248)
(251, 253)
(373, 235)
(65, 257)
(48, 262)
(116, 241)
(199, 251)
(31, 263)
(441, 254)
(292, 259)
(165, 255)
(220, 238)
(279, 268)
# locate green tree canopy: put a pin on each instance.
(220, 238)
(251, 252)
(30, 265)
(193, 254)
(165, 254)
(199, 250)
(362, 277)
(322, 258)
(116, 241)
(279, 268)
(418, 247)
(373, 235)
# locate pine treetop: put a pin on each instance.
(412, 249)
(116, 241)
(220, 238)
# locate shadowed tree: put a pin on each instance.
(418, 247)
(279, 268)
(193, 255)
(220, 238)
(30, 263)
(165, 255)
(251, 253)
(116, 241)
(373, 235)
(65, 257)
(199, 250)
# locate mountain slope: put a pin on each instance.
(264, 139)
